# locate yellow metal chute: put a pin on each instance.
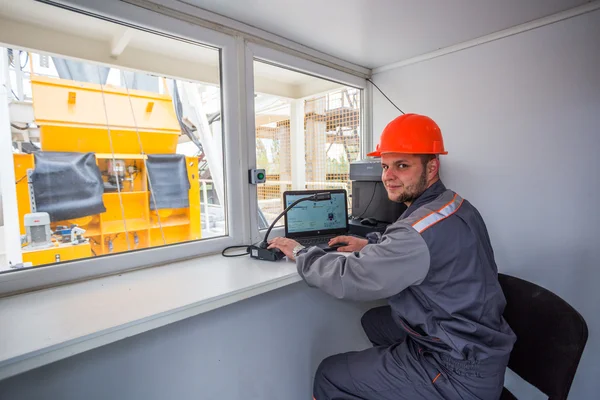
(115, 124)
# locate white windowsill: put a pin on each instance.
(45, 326)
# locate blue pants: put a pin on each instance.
(396, 368)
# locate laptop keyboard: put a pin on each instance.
(314, 241)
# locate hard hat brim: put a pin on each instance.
(379, 153)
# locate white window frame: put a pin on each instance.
(236, 186)
(258, 52)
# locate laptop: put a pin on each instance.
(314, 223)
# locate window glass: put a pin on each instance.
(109, 159)
(307, 133)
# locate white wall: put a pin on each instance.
(521, 120)
(264, 348)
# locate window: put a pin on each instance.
(134, 142)
(100, 159)
(308, 131)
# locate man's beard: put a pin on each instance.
(413, 192)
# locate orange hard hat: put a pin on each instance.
(410, 134)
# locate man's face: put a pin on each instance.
(404, 176)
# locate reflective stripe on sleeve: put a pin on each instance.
(436, 216)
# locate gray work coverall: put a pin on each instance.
(443, 335)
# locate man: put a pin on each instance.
(442, 335)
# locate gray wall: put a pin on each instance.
(267, 347)
(521, 120)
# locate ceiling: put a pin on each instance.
(370, 33)
(46, 16)
(374, 33)
(35, 19)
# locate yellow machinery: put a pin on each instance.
(79, 117)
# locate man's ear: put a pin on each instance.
(433, 167)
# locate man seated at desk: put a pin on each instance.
(443, 335)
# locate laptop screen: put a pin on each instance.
(309, 218)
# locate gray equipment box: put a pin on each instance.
(366, 170)
(37, 227)
(369, 197)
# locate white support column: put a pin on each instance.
(205, 201)
(282, 135)
(10, 212)
(316, 140)
(297, 144)
(18, 75)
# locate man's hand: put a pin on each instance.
(285, 245)
(352, 243)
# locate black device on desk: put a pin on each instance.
(260, 250)
(372, 210)
(359, 228)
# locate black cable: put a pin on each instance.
(372, 196)
(235, 247)
(314, 197)
(373, 83)
(94, 253)
(263, 244)
(13, 92)
(21, 128)
(26, 59)
(20, 179)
